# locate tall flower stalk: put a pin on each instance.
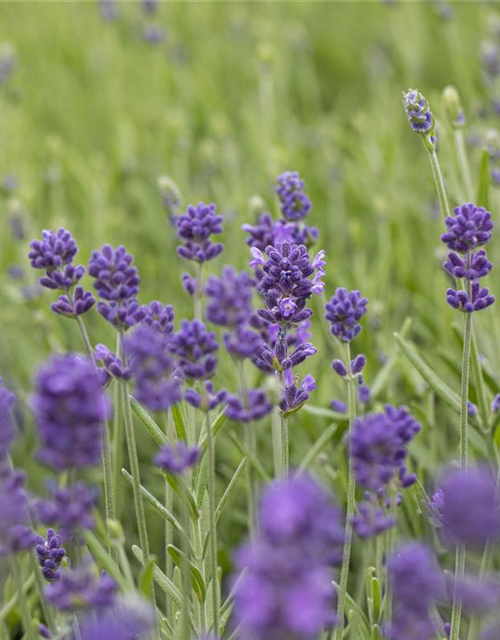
(344, 312)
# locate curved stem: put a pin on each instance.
(464, 163)
(439, 181)
(351, 502)
(212, 523)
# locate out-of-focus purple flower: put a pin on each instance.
(14, 534)
(10, 182)
(70, 508)
(344, 311)
(418, 112)
(50, 554)
(159, 317)
(413, 570)
(242, 343)
(154, 33)
(286, 592)
(364, 393)
(490, 59)
(189, 284)
(81, 589)
(477, 595)
(152, 369)
(474, 266)
(479, 298)
(115, 277)
(112, 364)
(7, 61)
(371, 519)
(495, 405)
(73, 305)
(44, 631)
(253, 407)
(7, 399)
(339, 406)
(122, 315)
(480, 521)
(471, 408)
(229, 301)
(294, 203)
(468, 229)
(177, 458)
(53, 251)
(195, 227)
(69, 406)
(294, 395)
(207, 399)
(133, 618)
(194, 347)
(149, 6)
(268, 232)
(108, 10)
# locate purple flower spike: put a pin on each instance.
(371, 520)
(294, 396)
(468, 229)
(413, 570)
(339, 406)
(152, 369)
(194, 347)
(418, 112)
(81, 589)
(195, 227)
(177, 458)
(69, 406)
(65, 279)
(70, 508)
(159, 317)
(76, 305)
(50, 554)
(254, 407)
(344, 311)
(53, 251)
(116, 278)
(208, 399)
(294, 203)
(473, 267)
(112, 364)
(122, 315)
(229, 298)
(479, 299)
(339, 367)
(269, 232)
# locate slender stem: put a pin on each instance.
(456, 613)
(251, 446)
(47, 610)
(85, 338)
(186, 583)
(439, 181)
(198, 294)
(351, 503)
(22, 599)
(285, 446)
(277, 446)
(464, 163)
(212, 523)
(169, 504)
(118, 436)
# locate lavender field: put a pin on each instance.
(249, 346)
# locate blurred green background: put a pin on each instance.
(229, 96)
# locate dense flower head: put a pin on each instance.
(50, 555)
(194, 347)
(344, 311)
(152, 369)
(287, 284)
(115, 277)
(7, 399)
(177, 458)
(378, 447)
(277, 358)
(81, 589)
(195, 227)
(122, 315)
(131, 618)
(418, 112)
(70, 508)
(63, 278)
(253, 406)
(478, 299)
(468, 229)
(69, 406)
(268, 232)
(113, 365)
(207, 398)
(73, 305)
(242, 342)
(53, 251)
(286, 592)
(295, 395)
(294, 203)
(472, 267)
(15, 535)
(371, 519)
(477, 523)
(417, 584)
(159, 317)
(229, 298)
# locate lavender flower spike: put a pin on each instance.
(194, 347)
(50, 554)
(294, 203)
(177, 458)
(344, 311)
(81, 589)
(195, 227)
(418, 113)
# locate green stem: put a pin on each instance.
(212, 505)
(464, 163)
(198, 294)
(439, 181)
(351, 502)
(285, 446)
(277, 446)
(22, 599)
(186, 578)
(251, 447)
(169, 504)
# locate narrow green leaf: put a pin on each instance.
(251, 458)
(317, 447)
(103, 559)
(201, 480)
(219, 421)
(383, 376)
(156, 504)
(483, 190)
(146, 578)
(11, 604)
(478, 381)
(357, 609)
(376, 633)
(179, 423)
(376, 598)
(161, 579)
(180, 487)
(151, 427)
(322, 412)
(197, 581)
